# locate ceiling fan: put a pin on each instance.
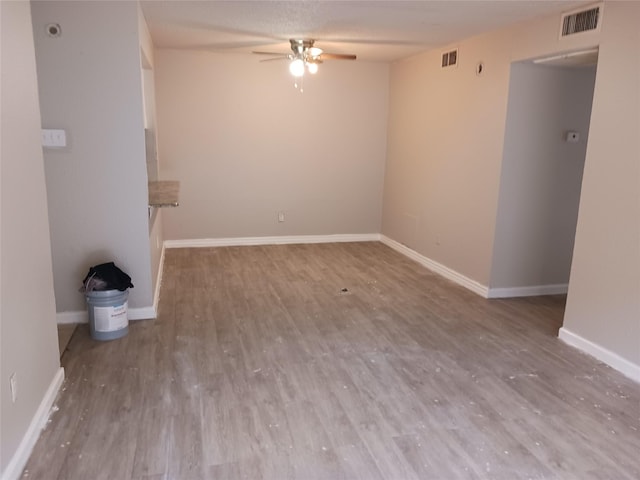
(305, 56)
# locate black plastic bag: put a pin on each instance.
(106, 277)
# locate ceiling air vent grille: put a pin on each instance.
(582, 21)
(449, 59)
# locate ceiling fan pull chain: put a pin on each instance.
(299, 86)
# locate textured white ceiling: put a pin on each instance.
(373, 30)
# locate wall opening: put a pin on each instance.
(547, 128)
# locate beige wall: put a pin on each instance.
(603, 305)
(446, 130)
(91, 85)
(445, 144)
(245, 145)
(445, 148)
(28, 336)
(541, 175)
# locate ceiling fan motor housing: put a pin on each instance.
(301, 45)
(303, 49)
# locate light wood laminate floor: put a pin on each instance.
(65, 332)
(260, 366)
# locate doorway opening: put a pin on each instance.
(547, 128)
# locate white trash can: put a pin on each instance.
(108, 316)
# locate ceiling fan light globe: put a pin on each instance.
(315, 51)
(312, 67)
(297, 67)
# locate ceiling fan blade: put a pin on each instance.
(337, 56)
(282, 57)
(269, 53)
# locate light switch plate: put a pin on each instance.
(54, 138)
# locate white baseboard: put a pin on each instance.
(64, 318)
(530, 291)
(156, 294)
(612, 359)
(38, 422)
(81, 316)
(142, 313)
(436, 267)
(285, 240)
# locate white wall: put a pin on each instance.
(29, 345)
(245, 144)
(156, 237)
(603, 305)
(541, 175)
(90, 84)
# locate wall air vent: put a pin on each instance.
(588, 20)
(449, 59)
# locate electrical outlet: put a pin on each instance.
(13, 382)
(280, 217)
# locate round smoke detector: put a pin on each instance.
(53, 30)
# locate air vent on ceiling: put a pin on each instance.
(581, 21)
(449, 59)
